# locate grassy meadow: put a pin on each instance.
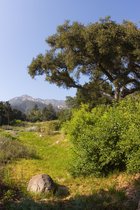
(50, 153)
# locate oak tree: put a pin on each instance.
(104, 55)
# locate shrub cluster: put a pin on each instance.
(11, 149)
(49, 127)
(106, 139)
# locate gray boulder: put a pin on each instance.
(41, 183)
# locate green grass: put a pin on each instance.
(53, 156)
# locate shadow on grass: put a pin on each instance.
(12, 199)
(62, 191)
(9, 194)
(103, 200)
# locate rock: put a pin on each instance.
(41, 183)
(31, 129)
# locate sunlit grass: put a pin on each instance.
(53, 154)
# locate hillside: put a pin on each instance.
(25, 103)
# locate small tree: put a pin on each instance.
(48, 113)
(6, 113)
(35, 114)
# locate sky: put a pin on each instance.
(24, 27)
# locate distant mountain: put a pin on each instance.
(25, 103)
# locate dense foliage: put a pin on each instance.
(9, 115)
(45, 114)
(90, 97)
(105, 53)
(106, 139)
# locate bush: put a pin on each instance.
(106, 139)
(11, 149)
(64, 115)
(49, 127)
(18, 123)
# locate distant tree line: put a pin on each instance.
(45, 114)
(8, 115)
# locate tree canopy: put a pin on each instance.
(105, 53)
(9, 115)
(45, 114)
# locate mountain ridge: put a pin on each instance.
(25, 103)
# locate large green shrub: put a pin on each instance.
(106, 139)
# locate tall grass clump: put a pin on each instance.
(106, 139)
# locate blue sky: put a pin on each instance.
(24, 26)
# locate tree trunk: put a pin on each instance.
(117, 94)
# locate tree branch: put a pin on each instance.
(128, 92)
(106, 73)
